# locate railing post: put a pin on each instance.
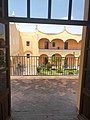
(37, 60)
(62, 63)
(76, 62)
(49, 59)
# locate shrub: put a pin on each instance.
(59, 69)
(39, 69)
(48, 66)
(42, 66)
(56, 59)
(71, 72)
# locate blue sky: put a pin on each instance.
(25, 27)
(39, 8)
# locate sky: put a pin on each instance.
(25, 27)
(39, 9)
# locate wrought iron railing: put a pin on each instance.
(48, 66)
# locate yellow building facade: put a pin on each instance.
(40, 47)
(38, 43)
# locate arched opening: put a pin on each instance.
(27, 53)
(43, 59)
(71, 44)
(70, 61)
(44, 43)
(56, 59)
(79, 44)
(57, 44)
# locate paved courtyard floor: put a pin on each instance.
(44, 99)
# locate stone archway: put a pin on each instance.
(44, 43)
(56, 59)
(70, 61)
(43, 59)
(72, 44)
(57, 44)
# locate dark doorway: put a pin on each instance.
(66, 45)
(46, 45)
(46, 60)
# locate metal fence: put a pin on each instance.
(48, 66)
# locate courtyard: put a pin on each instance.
(45, 98)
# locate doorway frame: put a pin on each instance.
(47, 21)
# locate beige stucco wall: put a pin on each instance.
(21, 49)
(26, 37)
(18, 42)
(14, 40)
(38, 38)
(64, 35)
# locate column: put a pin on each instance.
(76, 62)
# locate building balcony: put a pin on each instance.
(59, 50)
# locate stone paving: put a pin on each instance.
(44, 99)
